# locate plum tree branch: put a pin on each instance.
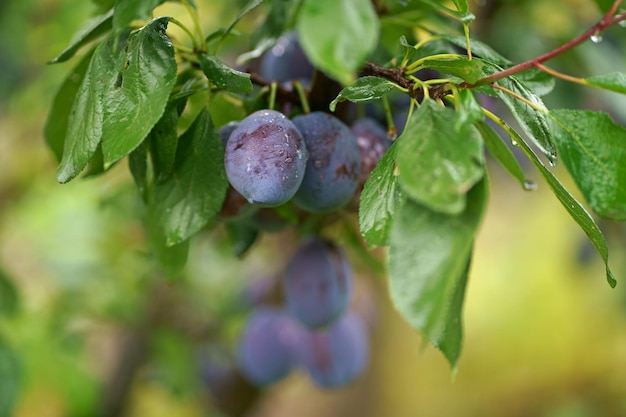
(609, 19)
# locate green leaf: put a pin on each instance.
(10, 378)
(9, 299)
(242, 236)
(363, 90)
(224, 76)
(195, 191)
(536, 123)
(349, 35)
(468, 109)
(145, 75)
(163, 140)
(439, 164)
(126, 11)
(461, 5)
(462, 16)
(121, 97)
(94, 29)
(138, 165)
(379, 200)
(573, 207)
(615, 81)
(58, 118)
(461, 67)
(409, 50)
(171, 258)
(539, 82)
(428, 262)
(498, 149)
(478, 49)
(593, 149)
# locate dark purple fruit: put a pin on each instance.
(265, 158)
(264, 352)
(373, 142)
(286, 61)
(317, 283)
(332, 172)
(335, 356)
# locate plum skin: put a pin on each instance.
(332, 171)
(264, 353)
(336, 356)
(317, 283)
(265, 158)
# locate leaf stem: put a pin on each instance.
(200, 44)
(609, 19)
(560, 75)
(519, 97)
(196, 44)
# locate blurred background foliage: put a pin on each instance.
(87, 323)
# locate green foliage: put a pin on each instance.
(143, 94)
(349, 36)
(10, 377)
(438, 164)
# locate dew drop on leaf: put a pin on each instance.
(530, 185)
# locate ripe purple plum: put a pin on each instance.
(286, 61)
(336, 356)
(317, 283)
(265, 158)
(264, 352)
(332, 171)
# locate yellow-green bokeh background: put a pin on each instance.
(545, 334)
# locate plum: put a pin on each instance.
(317, 283)
(265, 158)
(332, 171)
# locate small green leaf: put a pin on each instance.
(121, 97)
(615, 81)
(379, 200)
(10, 378)
(195, 191)
(242, 236)
(461, 67)
(351, 29)
(95, 28)
(462, 16)
(428, 262)
(58, 118)
(536, 123)
(498, 149)
(144, 78)
(593, 149)
(224, 76)
(9, 298)
(363, 90)
(439, 164)
(478, 49)
(573, 207)
(409, 50)
(468, 109)
(125, 11)
(171, 258)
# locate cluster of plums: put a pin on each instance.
(319, 164)
(314, 330)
